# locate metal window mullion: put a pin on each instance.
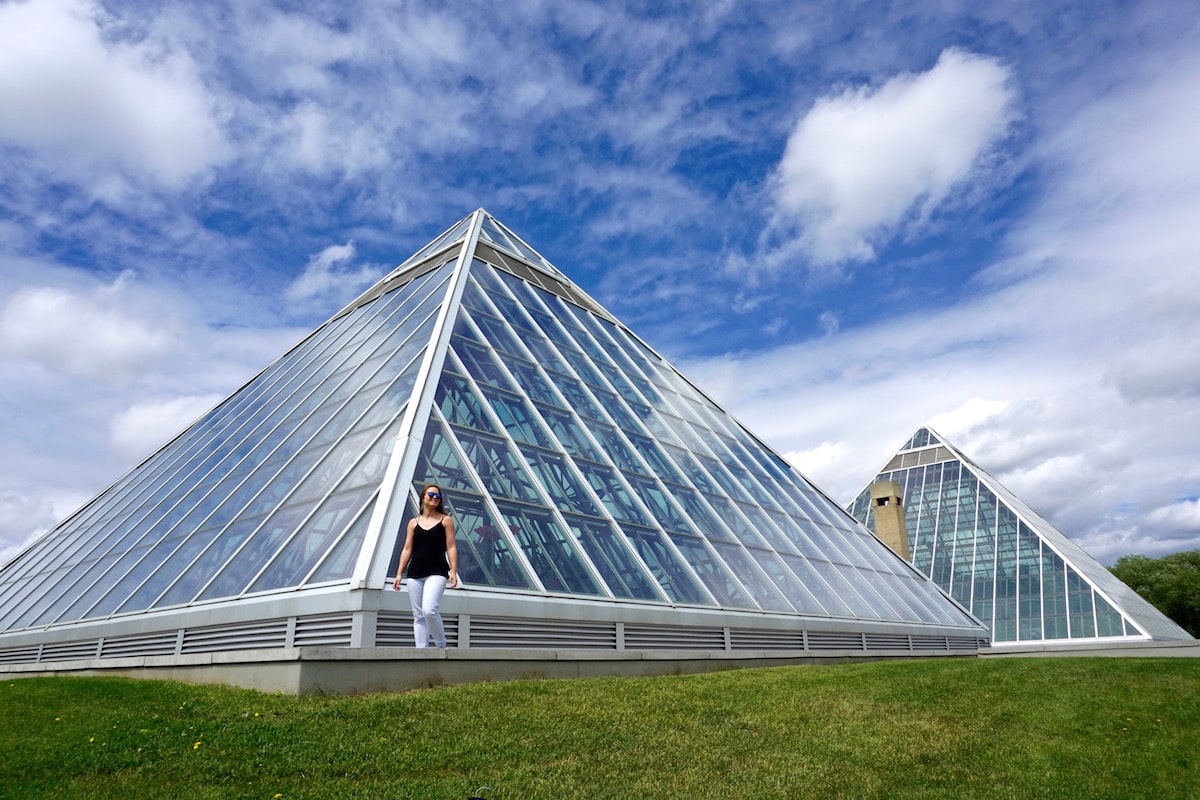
(515, 449)
(485, 495)
(371, 567)
(283, 501)
(252, 498)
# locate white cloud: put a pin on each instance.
(967, 415)
(1071, 377)
(816, 459)
(98, 104)
(97, 334)
(1183, 516)
(330, 278)
(144, 427)
(862, 163)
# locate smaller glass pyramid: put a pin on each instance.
(1014, 570)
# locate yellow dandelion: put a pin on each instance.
(91, 738)
(256, 713)
(59, 719)
(196, 746)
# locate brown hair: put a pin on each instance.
(421, 500)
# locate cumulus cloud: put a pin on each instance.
(94, 101)
(1071, 379)
(863, 163)
(93, 334)
(331, 278)
(140, 429)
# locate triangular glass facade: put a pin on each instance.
(577, 462)
(1015, 571)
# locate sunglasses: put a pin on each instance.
(434, 495)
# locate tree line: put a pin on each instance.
(1170, 583)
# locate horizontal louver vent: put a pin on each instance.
(396, 630)
(19, 655)
(918, 458)
(766, 640)
(886, 641)
(525, 273)
(246, 636)
(964, 643)
(152, 644)
(68, 651)
(834, 641)
(330, 630)
(564, 634)
(666, 637)
(929, 643)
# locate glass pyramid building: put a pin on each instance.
(601, 499)
(1014, 570)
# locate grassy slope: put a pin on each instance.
(1074, 727)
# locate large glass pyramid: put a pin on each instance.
(1014, 570)
(580, 466)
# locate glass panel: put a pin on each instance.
(461, 406)
(549, 549)
(1054, 595)
(1029, 585)
(665, 566)
(713, 574)
(516, 415)
(569, 433)
(617, 565)
(340, 562)
(439, 462)
(314, 540)
(485, 553)
(611, 492)
(817, 586)
(763, 591)
(1079, 598)
(533, 383)
(555, 474)
(498, 467)
(262, 545)
(195, 576)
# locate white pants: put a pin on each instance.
(425, 597)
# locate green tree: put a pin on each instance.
(1170, 583)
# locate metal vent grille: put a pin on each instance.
(886, 641)
(514, 632)
(553, 285)
(67, 651)
(665, 637)
(929, 643)
(151, 644)
(19, 655)
(332, 630)
(964, 643)
(835, 641)
(919, 458)
(396, 630)
(401, 278)
(246, 636)
(765, 640)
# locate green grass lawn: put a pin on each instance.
(1019, 728)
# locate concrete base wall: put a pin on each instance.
(328, 670)
(1172, 649)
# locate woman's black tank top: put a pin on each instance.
(428, 552)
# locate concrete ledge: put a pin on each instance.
(1172, 649)
(340, 670)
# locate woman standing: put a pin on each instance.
(432, 560)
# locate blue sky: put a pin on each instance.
(843, 220)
